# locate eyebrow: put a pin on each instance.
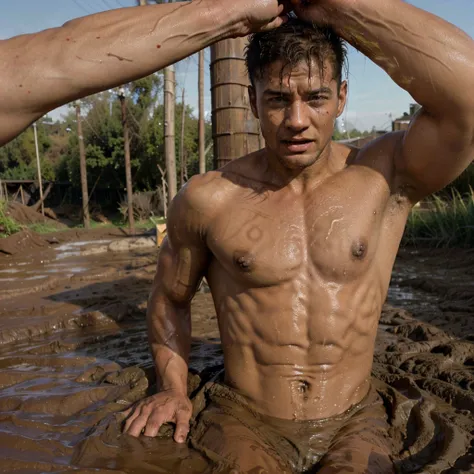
(277, 92)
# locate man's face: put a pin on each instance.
(297, 114)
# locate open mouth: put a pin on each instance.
(297, 146)
(297, 142)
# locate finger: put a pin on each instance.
(136, 427)
(153, 425)
(280, 20)
(131, 414)
(182, 425)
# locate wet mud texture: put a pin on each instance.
(73, 355)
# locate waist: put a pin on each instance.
(299, 392)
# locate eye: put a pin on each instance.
(318, 99)
(278, 99)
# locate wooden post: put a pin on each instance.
(164, 185)
(181, 143)
(128, 168)
(170, 151)
(201, 131)
(22, 194)
(236, 132)
(1, 190)
(38, 166)
(83, 169)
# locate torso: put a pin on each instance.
(298, 283)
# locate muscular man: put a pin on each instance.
(298, 240)
(45, 70)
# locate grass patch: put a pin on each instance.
(46, 228)
(449, 224)
(119, 222)
(7, 225)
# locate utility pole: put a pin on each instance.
(236, 132)
(83, 168)
(38, 166)
(128, 168)
(202, 134)
(181, 144)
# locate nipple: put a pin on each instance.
(244, 261)
(359, 250)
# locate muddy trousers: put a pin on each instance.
(239, 440)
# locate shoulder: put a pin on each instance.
(197, 204)
(378, 155)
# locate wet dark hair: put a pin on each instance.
(293, 42)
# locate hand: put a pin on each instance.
(313, 11)
(252, 16)
(152, 412)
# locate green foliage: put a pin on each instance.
(448, 224)
(104, 144)
(18, 158)
(7, 225)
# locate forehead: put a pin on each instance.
(279, 74)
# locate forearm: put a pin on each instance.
(169, 333)
(425, 55)
(101, 51)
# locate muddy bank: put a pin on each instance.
(73, 354)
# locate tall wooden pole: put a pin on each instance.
(170, 151)
(169, 127)
(235, 130)
(128, 168)
(181, 142)
(38, 166)
(83, 169)
(202, 133)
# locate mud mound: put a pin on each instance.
(25, 215)
(25, 240)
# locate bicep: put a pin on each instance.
(433, 152)
(181, 267)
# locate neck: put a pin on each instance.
(300, 179)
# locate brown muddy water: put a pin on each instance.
(73, 355)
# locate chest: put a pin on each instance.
(332, 232)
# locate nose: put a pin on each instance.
(297, 117)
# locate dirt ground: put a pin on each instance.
(73, 354)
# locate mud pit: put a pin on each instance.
(73, 354)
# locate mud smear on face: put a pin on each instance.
(73, 354)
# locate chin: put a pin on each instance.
(299, 161)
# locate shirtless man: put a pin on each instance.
(44, 70)
(298, 240)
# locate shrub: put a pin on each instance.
(450, 223)
(7, 225)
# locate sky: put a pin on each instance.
(373, 97)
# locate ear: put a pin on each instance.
(342, 98)
(253, 101)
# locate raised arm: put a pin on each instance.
(182, 263)
(45, 70)
(434, 62)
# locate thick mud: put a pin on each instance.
(73, 355)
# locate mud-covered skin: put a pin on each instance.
(355, 441)
(299, 280)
